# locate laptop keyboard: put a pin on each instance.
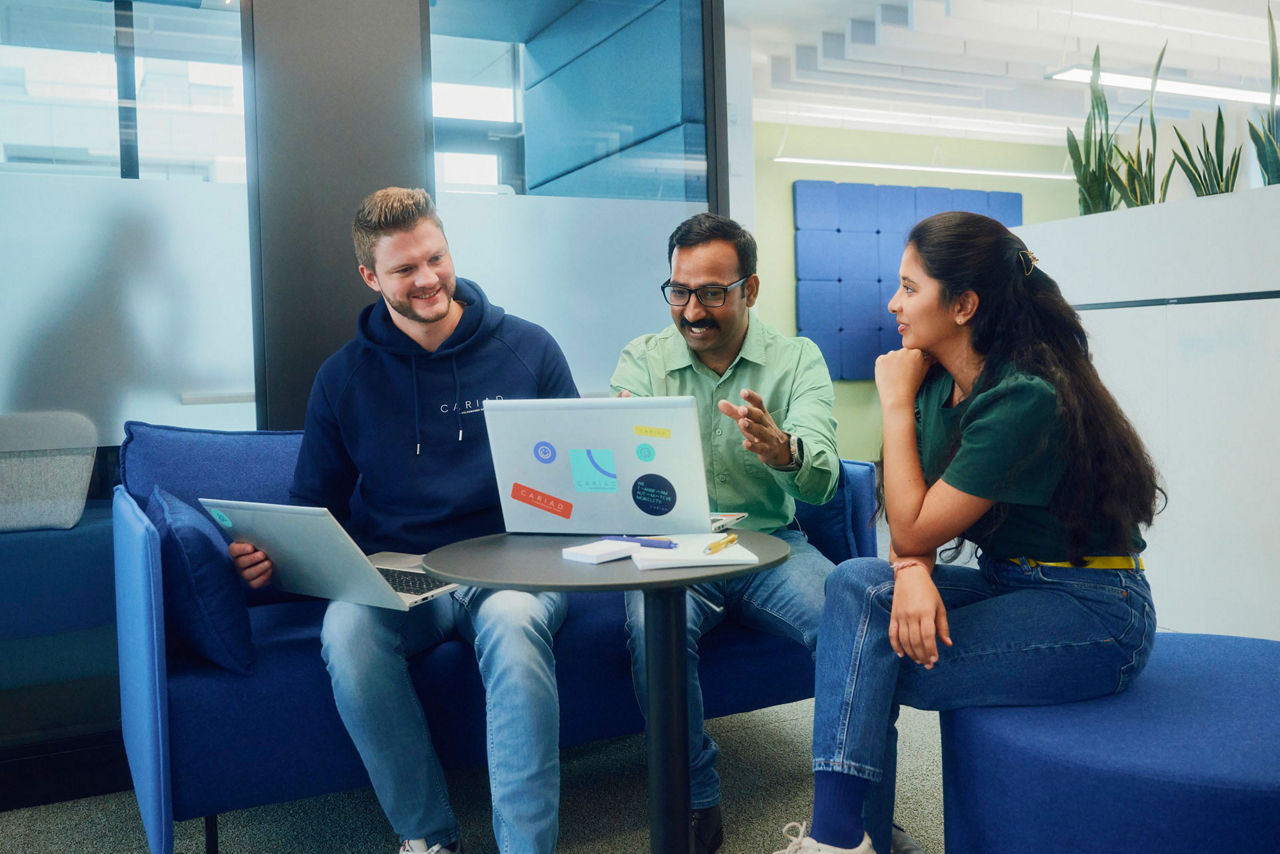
(413, 583)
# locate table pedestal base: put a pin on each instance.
(668, 718)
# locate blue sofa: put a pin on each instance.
(202, 739)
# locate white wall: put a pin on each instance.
(1199, 382)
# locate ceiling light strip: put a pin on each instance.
(1078, 74)
(908, 167)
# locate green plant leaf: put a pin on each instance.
(1164, 184)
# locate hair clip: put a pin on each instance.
(1028, 261)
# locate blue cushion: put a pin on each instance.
(204, 602)
(190, 463)
(1182, 761)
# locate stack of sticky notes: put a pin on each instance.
(600, 551)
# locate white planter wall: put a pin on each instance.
(1200, 382)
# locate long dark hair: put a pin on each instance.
(1023, 320)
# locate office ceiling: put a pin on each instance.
(978, 68)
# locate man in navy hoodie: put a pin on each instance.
(395, 446)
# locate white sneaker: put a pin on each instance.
(415, 845)
(801, 844)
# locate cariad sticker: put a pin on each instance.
(534, 498)
(654, 432)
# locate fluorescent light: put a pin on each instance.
(955, 170)
(1079, 74)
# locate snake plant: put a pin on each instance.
(1211, 174)
(1092, 158)
(1137, 186)
(1264, 137)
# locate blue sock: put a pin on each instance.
(837, 808)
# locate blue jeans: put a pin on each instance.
(785, 600)
(1023, 636)
(366, 651)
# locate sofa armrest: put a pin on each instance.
(144, 705)
(843, 527)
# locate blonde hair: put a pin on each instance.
(389, 210)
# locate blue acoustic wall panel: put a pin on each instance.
(896, 208)
(932, 200)
(973, 201)
(1006, 207)
(814, 303)
(815, 205)
(849, 242)
(818, 255)
(856, 207)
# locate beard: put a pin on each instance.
(407, 309)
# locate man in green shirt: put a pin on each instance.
(768, 437)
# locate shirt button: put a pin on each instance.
(722, 477)
(718, 431)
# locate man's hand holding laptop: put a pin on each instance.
(251, 562)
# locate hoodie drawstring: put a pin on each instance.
(457, 392)
(417, 420)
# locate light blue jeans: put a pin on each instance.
(785, 600)
(1023, 636)
(365, 650)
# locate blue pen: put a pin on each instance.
(647, 542)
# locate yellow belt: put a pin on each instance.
(1100, 562)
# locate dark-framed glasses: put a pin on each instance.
(711, 296)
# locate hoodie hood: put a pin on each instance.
(376, 330)
(480, 318)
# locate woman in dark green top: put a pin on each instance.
(997, 430)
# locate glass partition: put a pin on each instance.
(124, 299)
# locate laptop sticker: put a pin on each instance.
(645, 452)
(221, 518)
(544, 452)
(653, 432)
(654, 494)
(541, 500)
(593, 470)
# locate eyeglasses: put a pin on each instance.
(712, 296)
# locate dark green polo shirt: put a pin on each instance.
(1009, 447)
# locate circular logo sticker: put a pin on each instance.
(544, 452)
(645, 452)
(653, 494)
(220, 517)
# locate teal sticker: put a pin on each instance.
(645, 452)
(593, 470)
(221, 518)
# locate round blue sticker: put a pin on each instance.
(645, 452)
(544, 452)
(653, 494)
(220, 517)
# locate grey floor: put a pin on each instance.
(764, 766)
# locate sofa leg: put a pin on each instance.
(211, 834)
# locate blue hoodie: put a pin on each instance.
(395, 443)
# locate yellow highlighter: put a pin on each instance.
(722, 543)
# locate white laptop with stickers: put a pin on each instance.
(601, 465)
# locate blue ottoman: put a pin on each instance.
(1186, 760)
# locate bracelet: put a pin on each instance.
(903, 564)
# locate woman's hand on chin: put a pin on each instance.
(899, 374)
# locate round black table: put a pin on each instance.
(533, 562)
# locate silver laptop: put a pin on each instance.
(313, 555)
(602, 465)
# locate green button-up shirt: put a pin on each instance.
(792, 380)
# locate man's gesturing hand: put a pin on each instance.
(761, 436)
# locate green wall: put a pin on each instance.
(857, 408)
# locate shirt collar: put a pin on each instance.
(678, 355)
